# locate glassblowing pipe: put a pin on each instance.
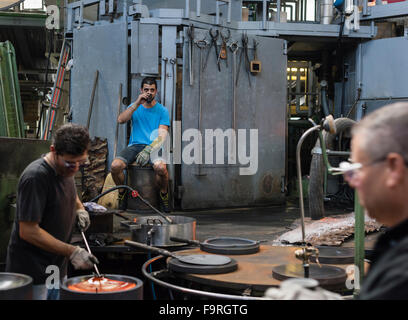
(327, 125)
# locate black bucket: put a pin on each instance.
(142, 179)
(135, 293)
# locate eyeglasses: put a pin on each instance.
(73, 164)
(351, 170)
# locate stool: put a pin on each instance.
(143, 180)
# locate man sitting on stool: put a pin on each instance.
(150, 123)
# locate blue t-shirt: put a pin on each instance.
(146, 122)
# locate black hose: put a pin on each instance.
(110, 190)
(325, 106)
(130, 189)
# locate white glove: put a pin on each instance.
(290, 290)
(83, 219)
(81, 259)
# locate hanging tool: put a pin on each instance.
(244, 52)
(234, 48)
(255, 65)
(164, 79)
(173, 62)
(89, 251)
(115, 147)
(214, 37)
(190, 33)
(201, 44)
(224, 52)
(92, 99)
(82, 169)
(112, 201)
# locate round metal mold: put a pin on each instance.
(178, 266)
(135, 293)
(327, 276)
(15, 286)
(205, 259)
(230, 245)
(334, 255)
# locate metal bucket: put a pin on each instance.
(142, 179)
(135, 293)
(15, 286)
(155, 231)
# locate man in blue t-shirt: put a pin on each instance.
(150, 124)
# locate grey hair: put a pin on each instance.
(385, 130)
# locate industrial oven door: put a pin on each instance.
(233, 128)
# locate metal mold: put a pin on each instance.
(154, 230)
(15, 286)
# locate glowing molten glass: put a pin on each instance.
(101, 284)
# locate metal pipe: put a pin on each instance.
(317, 11)
(305, 11)
(187, 9)
(191, 291)
(337, 153)
(92, 99)
(115, 146)
(229, 11)
(298, 90)
(198, 8)
(89, 251)
(325, 106)
(299, 174)
(309, 88)
(217, 12)
(164, 80)
(326, 11)
(264, 14)
(278, 10)
(365, 11)
(324, 153)
(173, 61)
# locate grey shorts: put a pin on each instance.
(129, 154)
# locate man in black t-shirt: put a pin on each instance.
(47, 207)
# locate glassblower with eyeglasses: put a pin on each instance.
(47, 209)
(378, 171)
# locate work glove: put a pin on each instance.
(83, 220)
(81, 259)
(143, 157)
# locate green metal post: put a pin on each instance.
(359, 226)
(11, 110)
(359, 234)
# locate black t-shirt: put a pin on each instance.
(49, 199)
(387, 278)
